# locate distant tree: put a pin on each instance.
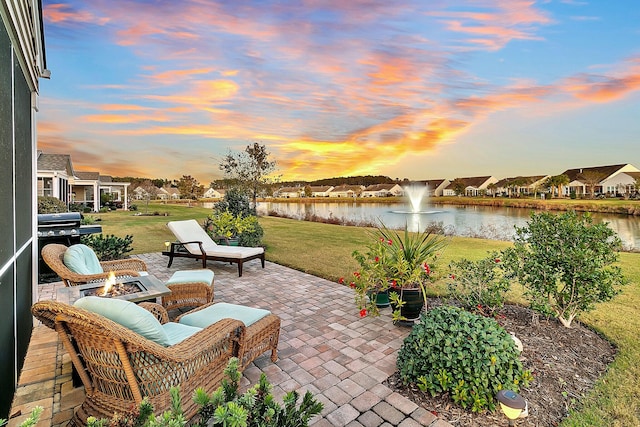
(150, 192)
(557, 182)
(251, 168)
(189, 187)
(307, 191)
(458, 186)
(591, 179)
(493, 188)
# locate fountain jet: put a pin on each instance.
(415, 194)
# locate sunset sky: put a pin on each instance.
(408, 89)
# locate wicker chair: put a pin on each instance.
(53, 255)
(118, 367)
(259, 337)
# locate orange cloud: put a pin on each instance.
(63, 13)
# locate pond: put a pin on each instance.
(472, 221)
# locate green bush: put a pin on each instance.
(224, 407)
(110, 247)
(566, 263)
(480, 286)
(235, 201)
(251, 232)
(457, 352)
(47, 204)
(256, 407)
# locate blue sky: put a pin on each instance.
(409, 89)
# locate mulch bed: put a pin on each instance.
(565, 362)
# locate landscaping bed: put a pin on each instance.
(565, 362)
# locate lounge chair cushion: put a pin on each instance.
(129, 315)
(191, 231)
(81, 259)
(177, 333)
(222, 310)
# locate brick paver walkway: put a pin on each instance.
(325, 347)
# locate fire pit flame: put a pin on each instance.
(109, 284)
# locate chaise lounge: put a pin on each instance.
(194, 242)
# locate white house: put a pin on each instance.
(290, 192)
(611, 180)
(519, 185)
(213, 193)
(346, 191)
(473, 186)
(383, 190)
(320, 190)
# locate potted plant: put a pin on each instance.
(400, 263)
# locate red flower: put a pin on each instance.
(352, 284)
(341, 281)
(390, 242)
(497, 260)
(377, 259)
(426, 268)
(453, 276)
(356, 273)
(394, 283)
(363, 312)
(382, 239)
(434, 413)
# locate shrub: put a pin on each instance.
(565, 262)
(480, 286)
(251, 232)
(108, 247)
(235, 201)
(224, 407)
(48, 204)
(457, 352)
(256, 407)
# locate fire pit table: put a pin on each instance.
(134, 289)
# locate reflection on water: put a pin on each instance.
(474, 221)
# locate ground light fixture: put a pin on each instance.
(512, 404)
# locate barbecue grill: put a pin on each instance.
(63, 225)
(64, 228)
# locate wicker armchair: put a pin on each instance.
(53, 255)
(118, 367)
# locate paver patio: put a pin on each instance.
(325, 347)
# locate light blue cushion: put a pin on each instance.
(177, 333)
(129, 315)
(191, 276)
(222, 310)
(82, 260)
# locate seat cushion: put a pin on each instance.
(222, 310)
(191, 276)
(81, 259)
(177, 332)
(127, 314)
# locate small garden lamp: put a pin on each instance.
(166, 245)
(512, 404)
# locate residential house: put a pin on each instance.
(383, 190)
(53, 176)
(289, 192)
(320, 190)
(611, 180)
(474, 186)
(22, 64)
(168, 193)
(518, 186)
(435, 187)
(346, 191)
(85, 189)
(213, 193)
(115, 189)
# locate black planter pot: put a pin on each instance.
(413, 305)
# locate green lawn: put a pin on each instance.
(325, 250)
